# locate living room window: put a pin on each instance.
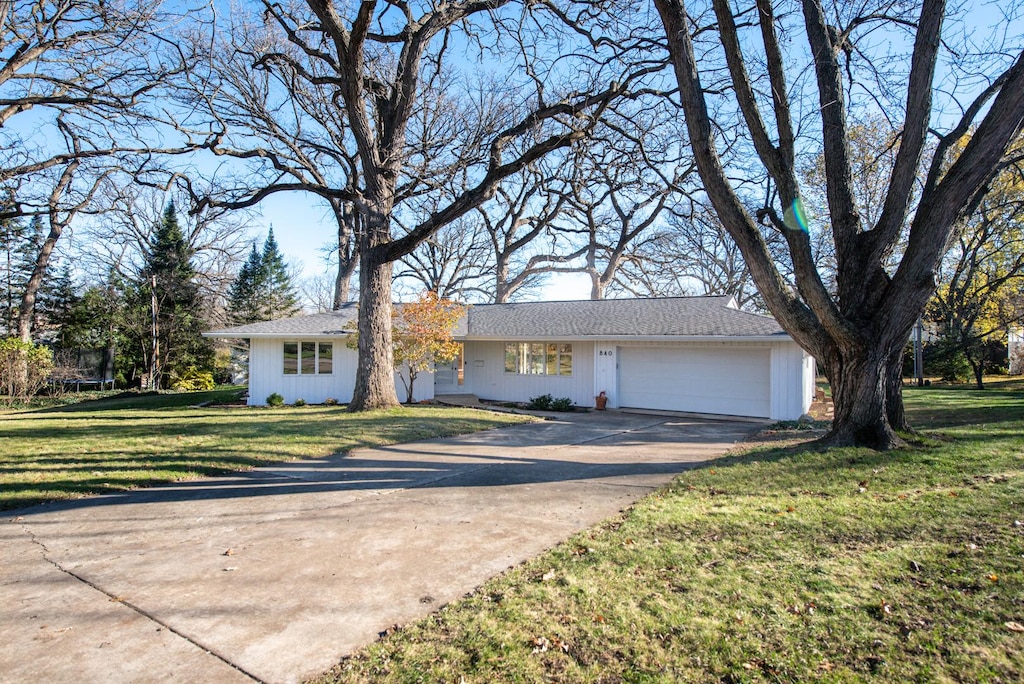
(308, 358)
(538, 358)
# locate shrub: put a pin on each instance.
(562, 404)
(541, 403)
(194, 380)
(275, 399)
(331, 401)
(24, 368)
(300, 402)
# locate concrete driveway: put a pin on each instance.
(275, 574)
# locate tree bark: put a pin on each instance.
(860, 381)
(375, 381)
(27, 308)
(348, 257)
(894, 394)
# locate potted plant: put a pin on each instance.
(602, 401)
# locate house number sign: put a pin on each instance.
(605, 353)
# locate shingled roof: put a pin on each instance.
(674, 317)
(330, 324)
(662, 317)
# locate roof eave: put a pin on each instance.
(227, 334)
(777, 337)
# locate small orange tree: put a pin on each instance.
(422, 335)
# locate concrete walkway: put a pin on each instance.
(275, 574)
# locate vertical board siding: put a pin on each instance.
(792, 381)
(266, 375)
(486, 377)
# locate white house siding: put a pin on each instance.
(792, 381)
(266, 375)
(485, 375)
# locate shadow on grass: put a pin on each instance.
(134, 401)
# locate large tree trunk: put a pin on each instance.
(375, 380)
(861, 382)
(27, 309)
(348, 256)
(894, 394)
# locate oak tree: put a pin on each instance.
(858, 331)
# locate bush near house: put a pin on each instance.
(546, 402)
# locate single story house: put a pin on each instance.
(686, 354)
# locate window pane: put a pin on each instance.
(551, 365)
(565, 359)
(511, 358)
(536, 358)
(291, 357)
(308, 358)
(565, 364)
(326, 358)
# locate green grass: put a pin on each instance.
(123, 442)
(775, 564)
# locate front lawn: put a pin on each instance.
(119, 443)
(776, 563)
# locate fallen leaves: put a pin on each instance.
(542, 644)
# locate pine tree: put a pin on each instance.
(281, 299)
(244, 293)
(56, 299)
(263, 289)
(169, 291)
(12, 237)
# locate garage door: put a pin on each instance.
(734, 382)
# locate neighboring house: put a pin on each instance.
(687, 354)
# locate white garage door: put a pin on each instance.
(735, 382)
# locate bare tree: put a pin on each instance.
(120, 237)
(626, 177)
(455, 263)
(692, 254)
(859, 332)
(525, 243)
(283, 128)
(412, 125)
(81, 74)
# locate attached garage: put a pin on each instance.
(696, 379)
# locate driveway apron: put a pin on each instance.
(273, 575)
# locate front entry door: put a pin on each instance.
(449, 377)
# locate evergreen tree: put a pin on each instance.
(12, 237)
(263, 289)
(244, 293)
(281, 299)
(54, 303)
(168, 291)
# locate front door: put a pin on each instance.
(449, 377)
